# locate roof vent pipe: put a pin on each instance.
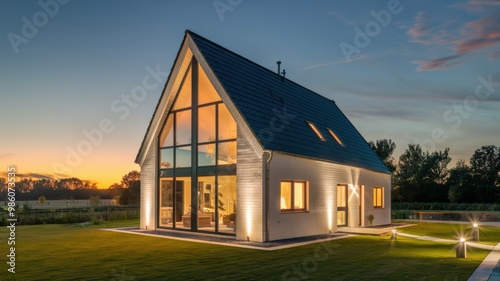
(278, 63)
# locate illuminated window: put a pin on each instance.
(378, 197)
(206, 91)
(199, 131)
(316, 131)
(341, 205)
(183, 99)
(206, 124)
(227, 125)
(341, 196)
(293, 196)
(332, 133)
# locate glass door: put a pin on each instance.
(341, 205)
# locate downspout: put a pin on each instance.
(266, 192)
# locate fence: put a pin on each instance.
(446, 215)
(73, 215)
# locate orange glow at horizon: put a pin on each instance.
(102, 167)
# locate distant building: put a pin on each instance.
(235, 148)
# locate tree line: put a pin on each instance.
(127, 192)
(419, 176)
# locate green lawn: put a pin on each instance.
(487, 235)
(61, 252)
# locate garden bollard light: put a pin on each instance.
(462, 249)
(394, 234)
(475, 232)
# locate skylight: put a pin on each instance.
(316, 131)
(335, 137)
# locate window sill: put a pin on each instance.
(293, 211)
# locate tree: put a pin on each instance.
(115, 186)
(485, 162)
(405, 178)
(42, 200)
(384, 149)
(131, 192)
(3, 188)
(421, 177)
(485, 172)
(131, 179)
(460, 184)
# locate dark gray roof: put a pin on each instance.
(277, 109)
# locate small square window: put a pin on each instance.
(316, 131)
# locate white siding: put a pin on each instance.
(148, 189)
(382, 215)
(249, 202)
(353, 205)
(322, 179)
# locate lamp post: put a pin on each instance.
(475, 232)
(462, 249)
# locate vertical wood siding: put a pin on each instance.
(148, 189)
(249, 191)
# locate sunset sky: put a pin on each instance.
(405, 70)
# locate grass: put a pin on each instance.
(487, 235)
(62, 252)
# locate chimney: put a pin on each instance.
(278, 63)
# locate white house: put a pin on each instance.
(235, 148)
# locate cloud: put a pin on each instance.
(483, 3)
(419, 28)
(477, 5)
(423, 33)
(495, 55)
(437, 64)
(62, 176)
(35, 176)
(475, 35)
(360, 57)
(393, 113)
(480, 33)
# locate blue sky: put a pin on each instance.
(424, 73)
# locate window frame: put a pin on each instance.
(334, 136)
(292, 208)
(316, 131)
(375, 197)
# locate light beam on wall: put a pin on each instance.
(249, 221)
(148, 194)
(329, 209)
(354, 191)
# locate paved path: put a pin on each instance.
(363, 230)
(484, 271)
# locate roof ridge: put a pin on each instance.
(252, 62)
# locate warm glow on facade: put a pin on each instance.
(354, 191)
(249, 220)
(329, 210)
(222, 157)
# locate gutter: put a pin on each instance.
(266, 193)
